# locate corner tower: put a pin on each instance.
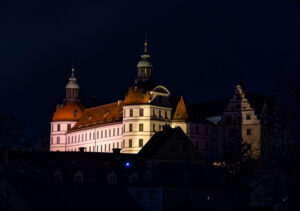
(66, 115)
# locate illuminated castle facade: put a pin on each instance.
(128, 124)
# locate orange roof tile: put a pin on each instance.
(69, 111)
(100, 115)
(137, 95)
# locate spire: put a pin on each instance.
(242, 81)
(73, 70)
(72, 87)
(146, 43)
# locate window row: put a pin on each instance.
(140, 143)
(155, 127)
(198, 131)
(154, 113)
(94, 135)
(101, 147)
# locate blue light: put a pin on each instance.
(127, 164)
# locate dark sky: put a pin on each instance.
(198, 49)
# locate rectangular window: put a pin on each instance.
(130, 127)
(93, 148)
(109, 132)
(141, 112)
(141, 127)
(124, 128)
(90, 136)
(51, 140)
(154, 128)
(86, 136)
(197, 130)
(159, 128)
(101, 148)
(130, 142)
(113, 145)
(206, 131)
(118, 145)
(159, 113)
(75, 139)
(248, 117)
(72, 139)
(97, 134)
(114, 130)
(154, 114)
(141, 144)
(131, 112)
(89, 148)
(58, 140)
(105, 133)
(58, 127)
(123, 144)
(97, 148)
(78, 138)
(105, 148)
(94, 135)
(166, 114)
(249, 132)
(109, 147)
(101, 133)
(117, 131)
(69, 126)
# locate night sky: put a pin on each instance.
(198, 49)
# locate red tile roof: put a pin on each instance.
(100, 115)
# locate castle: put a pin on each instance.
(128, 124)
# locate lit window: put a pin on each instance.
(141, 112)
(130, 112)
(130, 127)
(141, 144)
(130, 142)
(141, 127)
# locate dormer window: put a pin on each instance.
(75, 113)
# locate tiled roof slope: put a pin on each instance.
(100, 115)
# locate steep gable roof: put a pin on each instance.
(160, 145)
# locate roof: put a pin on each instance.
(159, 141)
(69, 111)
(100, 115)
(258, 101)
(137, 95)
(190, 112)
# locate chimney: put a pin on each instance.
(119, 102)
(81, 149)
(116, 153)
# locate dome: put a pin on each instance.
(72, 84)
(144, 62)
(68, 111)
(137, 95)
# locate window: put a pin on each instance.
(166, 114)
(89, 148)
(75, 139)
(130, 112)
(153, 127)
(154, 114)
(75, 113)
(97, 134)
(113, 145)
(206, 131)
(141, 112)
(141, 127)
(90, 136)
(101, 133)
(69, 126)
(197, 129)
(124, 128)
(117, 131)
(248, 117)
(249, 132)
(105, 148)
(93, 148)
(51, 140)
(123, 144)
(58, 140)
(109, 147)
(141, 144)
(94, 135)
(101, 148)
(72, 139)
(159, 128)
(159, 113)
(86, 136)
(58, 127)
(130, 142)
(114, 132)
(109, 132)
(130, 127)
(82, 137)
(97, 148)
(118, 145)
(105, 133)
(78, 138)
(206, 146)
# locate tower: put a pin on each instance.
(65, 115)
(144, 67)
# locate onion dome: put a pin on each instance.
(137, 95)
(69, 111)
